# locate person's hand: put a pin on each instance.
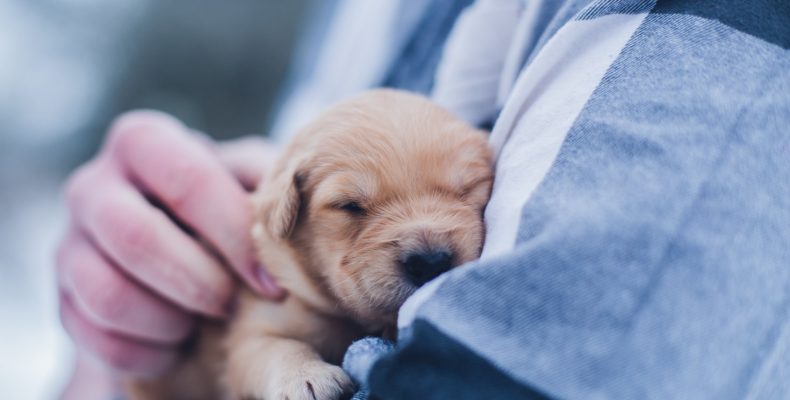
(160, 218)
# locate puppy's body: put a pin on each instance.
(374, 198)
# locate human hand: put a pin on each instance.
(131, 278)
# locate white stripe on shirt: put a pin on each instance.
(545, 101)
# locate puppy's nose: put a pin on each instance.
(424, 265)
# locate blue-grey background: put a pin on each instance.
(66, 68)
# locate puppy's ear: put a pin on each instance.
(279, 198)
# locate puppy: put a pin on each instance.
(373, 199)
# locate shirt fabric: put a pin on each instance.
(353, 45)
(638, 234)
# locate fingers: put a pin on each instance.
(158, 153)
(123, 355)
(114, 302)
(146, 244)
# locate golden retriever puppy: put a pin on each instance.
(379, 195)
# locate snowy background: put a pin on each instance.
(66, 68)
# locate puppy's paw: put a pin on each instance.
(314, 380)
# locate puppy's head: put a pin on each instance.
(378, 196)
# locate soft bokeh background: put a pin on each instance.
(66, 68)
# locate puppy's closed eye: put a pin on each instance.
(351, 207)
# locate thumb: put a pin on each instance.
(248, 159)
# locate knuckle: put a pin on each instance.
(128, 235)
(132, 237)
(132, 126)
(127, 134)
(108, 300)
(78, 181)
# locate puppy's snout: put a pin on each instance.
(423, 265)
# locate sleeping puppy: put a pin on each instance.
(376, 197)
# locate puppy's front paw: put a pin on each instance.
(315, 380)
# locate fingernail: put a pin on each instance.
(267, 283)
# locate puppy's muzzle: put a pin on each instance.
(422, 265)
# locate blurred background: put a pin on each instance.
(67, 67)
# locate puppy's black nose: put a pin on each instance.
(424, 265)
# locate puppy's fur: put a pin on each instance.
(373, 198)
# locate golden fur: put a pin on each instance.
(380, 176)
